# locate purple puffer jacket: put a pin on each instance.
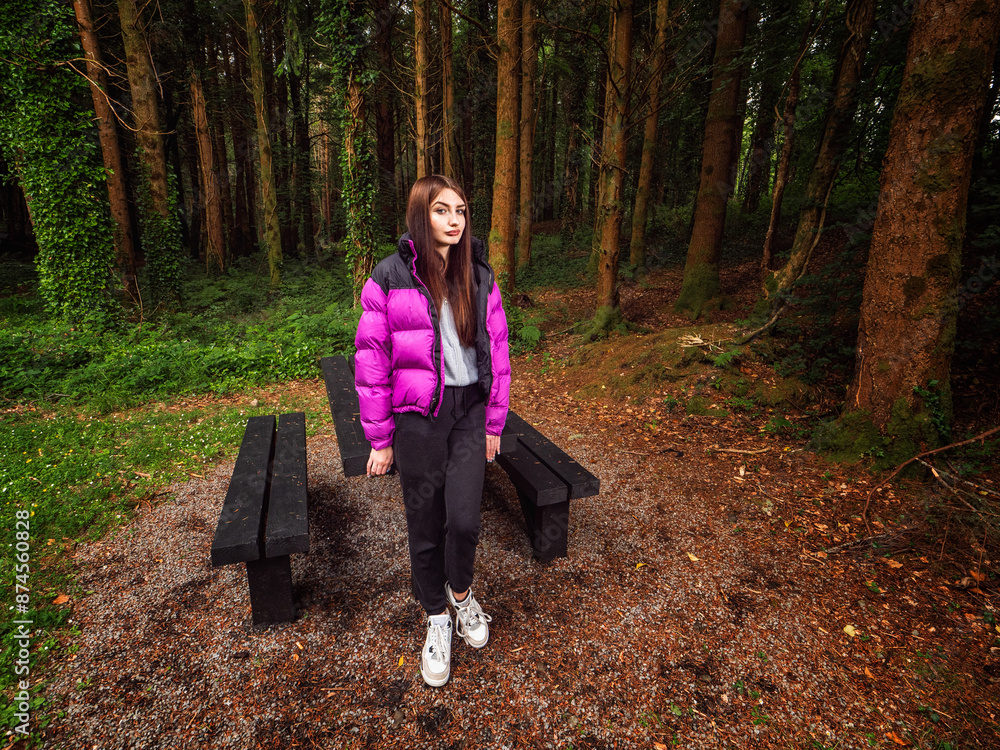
(399, 365)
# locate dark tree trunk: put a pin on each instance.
(907, 331)
(421, 84)
(701, 286)
(759, 157)
(113, 165)
(658, 59)
(860, 19)
(272, 231)
(529, 64)
(502, 226)
(611, 210)
(385, 125)
(215, 258)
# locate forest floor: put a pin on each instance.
(727, 588)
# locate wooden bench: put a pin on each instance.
(546, 479)
(264, 518)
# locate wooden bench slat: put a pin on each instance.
(533, 478)
(287, 528)
(237, 536)
(346, 413)
(581, 482)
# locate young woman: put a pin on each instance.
(432, 373)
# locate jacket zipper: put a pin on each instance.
(436, 324)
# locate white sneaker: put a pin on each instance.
(471, 623)
(435, 659)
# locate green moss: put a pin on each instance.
(949, 78)
(911, 429)
(700, 291)
(854, 436)
(784, 391)
(699, 406)
(849, 439)
(605, 320)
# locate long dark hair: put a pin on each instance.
(453, 280)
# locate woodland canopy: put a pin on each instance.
(164, 160)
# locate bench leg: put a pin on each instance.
(548, 527)
(270, 582)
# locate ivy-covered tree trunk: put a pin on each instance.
(272, 231)
(701, 287)
(161, 240)
(637, 246)
(501, 237)
(114, 173)
(610, 209)
(529, 66)
(906, 335)
(860, 20)
(215, 254)
(53, 145)
(359, 166)
(421, 84)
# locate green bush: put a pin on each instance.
(231, 336)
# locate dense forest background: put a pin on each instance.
(728, 232)
(163, 162)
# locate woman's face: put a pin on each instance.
(447, 220)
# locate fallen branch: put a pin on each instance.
(980, 436)
(869, 539)
(739, 450)
(940, 476)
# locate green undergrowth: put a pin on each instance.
(229, 335)
(705, 379)
(73, 477)
(557, 261)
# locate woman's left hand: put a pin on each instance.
(492, 446)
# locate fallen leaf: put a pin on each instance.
(692, 558)
(895, 738)
(142, 474)
(978, 576)
(402, 660)
(849, 629)
(301, 647)
(892, 563)
(640, 565)
(659, 746)
(61, 599)
(868, 674)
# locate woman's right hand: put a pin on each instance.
(379, 461)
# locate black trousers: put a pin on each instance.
(441, 461)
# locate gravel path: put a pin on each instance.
(682, 617)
